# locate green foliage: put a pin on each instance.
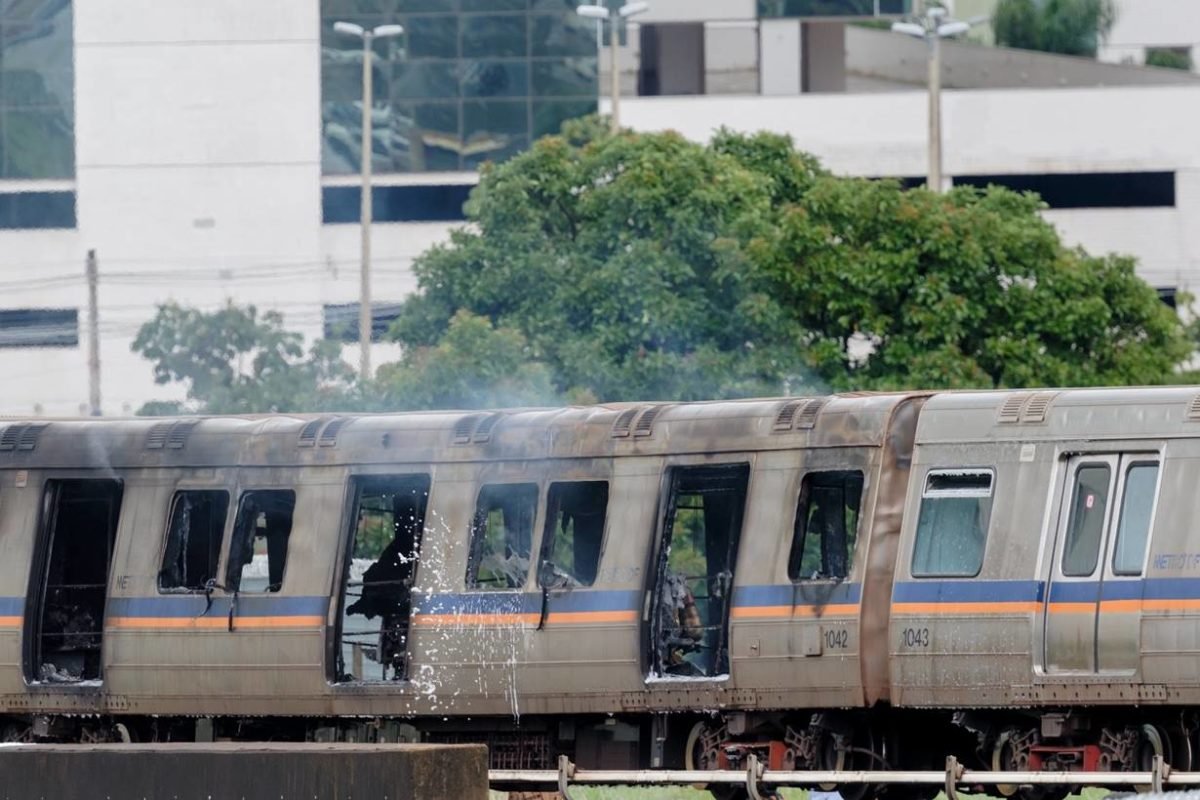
(1070, 27)
(1168, 58)
(235, 360)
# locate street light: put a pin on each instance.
(365, 324)
(614, 17)
(935, 26)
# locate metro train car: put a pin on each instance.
(809, 579)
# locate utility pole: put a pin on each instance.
(934, 180)
(366, 216)
(93, 281)
(615, 69)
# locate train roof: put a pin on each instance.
(416, 437)
(1122, 413)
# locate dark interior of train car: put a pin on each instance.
(70, 582)
(194, 540)
(389, 520)
(694, 580)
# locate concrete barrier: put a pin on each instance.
(244, 771)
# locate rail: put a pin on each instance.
(756, 778)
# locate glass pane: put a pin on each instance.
(258, 552)
(494, 130)
(494, 35)
(431, 37)
(424, 5)
(548, 118)
(425, 80)
(426, 137)
(575, 516)
(38, 144)
(495, 78)
(1133, 531)
(952, 525)
(194, 538)
(502, 536)
(831, 8)
(826, 526)
(564, 35)
(1085, 528)
(569, 77)
(493, 5)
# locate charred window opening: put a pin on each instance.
(389, 521)
(575, 514)
(78, 531)
(695, 574)
(197, 525)
(826, 527)
(502, 536)
(258, 552)
(953, 523)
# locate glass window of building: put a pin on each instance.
(37, 114)
(833, 8)
(469, 81)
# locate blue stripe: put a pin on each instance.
(526, 602)
(967, 591)
(12, 606)
(194, 605)
(1170, 588)
(797, 594)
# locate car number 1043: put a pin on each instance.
(915, 637)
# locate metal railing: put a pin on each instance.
(757, 779)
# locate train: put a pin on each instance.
(853, 581)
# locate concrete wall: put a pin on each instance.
(1152, 23)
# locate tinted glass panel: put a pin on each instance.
(1137, 507)
(194, 537)
(1085, 529)
(39, 327)
(258, 553)
(488, 35)
(832, 8)
(826, 526)
(952, 524)
(502, 536)
(575, 515)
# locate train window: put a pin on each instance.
(953, 523)
(1086, 527)
(502, 536)
(258, 552)
(574, 532)
(826, 525)
(193, 539)
(1133, 530)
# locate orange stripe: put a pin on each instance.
(759, 612)
(1015, 607)
(10, 622)
(568, 617)
(206, 623)
(1072, 608)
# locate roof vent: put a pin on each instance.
(464, 427)
(8, 439)
(1010, 411)
(1035, 410)
(787, 413)
(179, 434)
(29, 435)
(806, 419)
(1193, 409)
(483, 433)
(330, 432)
(308, 434)
(645, 423)
(624, 423)
(156, 439)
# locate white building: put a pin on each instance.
(184, 142)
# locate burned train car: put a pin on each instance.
(595, 581)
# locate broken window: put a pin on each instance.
(197, 525)
(574, 532)
(826, 526)
(388, 524)
(952, 526)
(696, 566)
(78, 531)
(502, 536)
(258, 551)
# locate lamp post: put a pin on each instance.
(934, 27)
(365, 322)
(614, 17)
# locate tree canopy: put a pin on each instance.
(646, 266)
(1070, 27)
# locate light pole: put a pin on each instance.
(365, 322)
(934, 27)
(614, 17)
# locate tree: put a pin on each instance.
(1070, 27)
(235, 360)
(1169, 58)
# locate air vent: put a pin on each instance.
(806, 418)
(1010, 411)
(484, 432)
(29, 436)
(8, 439)
(1193, 409)
(179, 434)
(645, 423)
(464, 428)
(308, 434)
(156, 439)
(1035, 410)
(621, 427)
(787, 413)
(329, 433)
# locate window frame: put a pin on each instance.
(232, 535)
(1113, 470)
(797, 542)
(471, 575)
(1146, 461)
(166, 539)
(927, 492)
(549, 532)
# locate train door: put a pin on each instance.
(689, 615)
(388, 522)
(65, 626)
(1093, 598)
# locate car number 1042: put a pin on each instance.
(837, 639)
